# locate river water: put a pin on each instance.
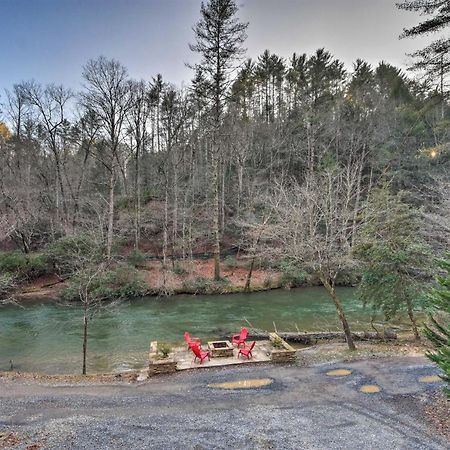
(47, 337)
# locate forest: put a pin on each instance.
(288, 162)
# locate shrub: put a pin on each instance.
(164, 349)
(71, 253)
(268, 281)
(12, 261)
(277, 342)
(179, 269)
(202, 285)
(7, 283)
(136, 258)
(120, 282)
(438, 331)
(230, 262)
(23, 265)
(291, 276)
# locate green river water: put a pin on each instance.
(47, 337)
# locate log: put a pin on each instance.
(314, 337)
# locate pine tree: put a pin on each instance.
(439, 330)
(219, 38)
(394, 259)
(434, 58)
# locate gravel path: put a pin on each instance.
(303, 408)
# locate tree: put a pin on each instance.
(439, 330)
(434, 58)
(395, 261)
(219, 39)
(107, 95)
(311, 225)
(50, 103)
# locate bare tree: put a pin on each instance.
(312, 225)
(50, 103)
(107, 94)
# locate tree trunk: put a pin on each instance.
(85, 335)
(413, 320)
(137, 193)
(249, 275)
(166, 224)
(216, 214)
(331, 288)
(110, 235)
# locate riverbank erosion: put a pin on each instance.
(282, 406)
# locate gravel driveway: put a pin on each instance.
(303, 408)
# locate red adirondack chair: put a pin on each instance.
(190, 341)
(247, 351)
(239, 339)
(201, 355)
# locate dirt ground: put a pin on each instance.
(204, 268)
(297, 408)
(50, 286)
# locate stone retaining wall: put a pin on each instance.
(158, 365)
(287, 354)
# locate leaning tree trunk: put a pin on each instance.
(331, 288)
(85, 334)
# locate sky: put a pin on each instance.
(50, 40)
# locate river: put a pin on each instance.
(47, 337)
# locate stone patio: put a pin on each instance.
(185, 358)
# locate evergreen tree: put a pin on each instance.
(434, 58)
(393, 256)
(439, 330)
(219, 39)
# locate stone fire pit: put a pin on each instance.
(220, 349)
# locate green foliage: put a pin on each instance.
(439, 330)
(277, 342)
(71, 253)
(7, 283)
(120, 282)
(30, 265)
(136, 258)
(230, 262)
(202, 285)
(179, 269)
(164, 349)
(395, 262)
(149, 193)
(291, 276)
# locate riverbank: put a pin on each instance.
(332, 352)
(179, 277)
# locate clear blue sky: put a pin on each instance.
(50, 40)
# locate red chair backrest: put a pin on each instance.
(251, 347)
(187, 337)
(196, 350)
(244, 334)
